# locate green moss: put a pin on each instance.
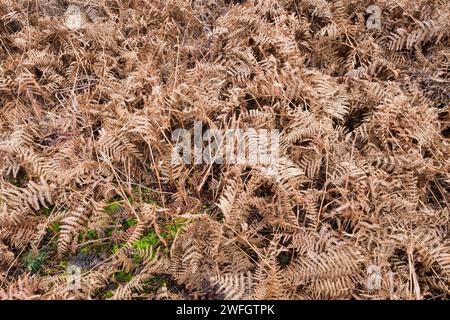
(107, 295)
(220, 216)
(113, 204)
(99, 248)
(91, 234)
(116, 198)
(34, 261)
(96, 247)
(205, 207)
(123, 276)
(55, 227)
(63, 264)
(172, 229)
(87, 235)
(284, 259)
(129, 222)
(130, 200)
(49, 271)
(109, 232)
(112, 207)
(139, 189)
(149, 240)
(155, 283)
(85, 249)
(15, 181)
(115, 248)
(46, 211)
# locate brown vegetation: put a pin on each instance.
(91, 91)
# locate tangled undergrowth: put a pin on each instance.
(91, 91)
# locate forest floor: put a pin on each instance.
(122, 123)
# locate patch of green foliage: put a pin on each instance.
(115, 248)
(220, 216)
(112, 207)
(284, 259)
(171, 229)
(86, 249)
(113, 204)
(55, 227)
(14, 181)
(46, 210)
(109, 232)
(63, 264)
(130, 200)
(129, 222)
(123, 276)
(91, 234)
(154, 283)
(34, 261)
(150, 240)
(96, 247)
(87, 235)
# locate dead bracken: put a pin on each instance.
(92, 205)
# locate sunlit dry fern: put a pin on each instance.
(91, 93)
